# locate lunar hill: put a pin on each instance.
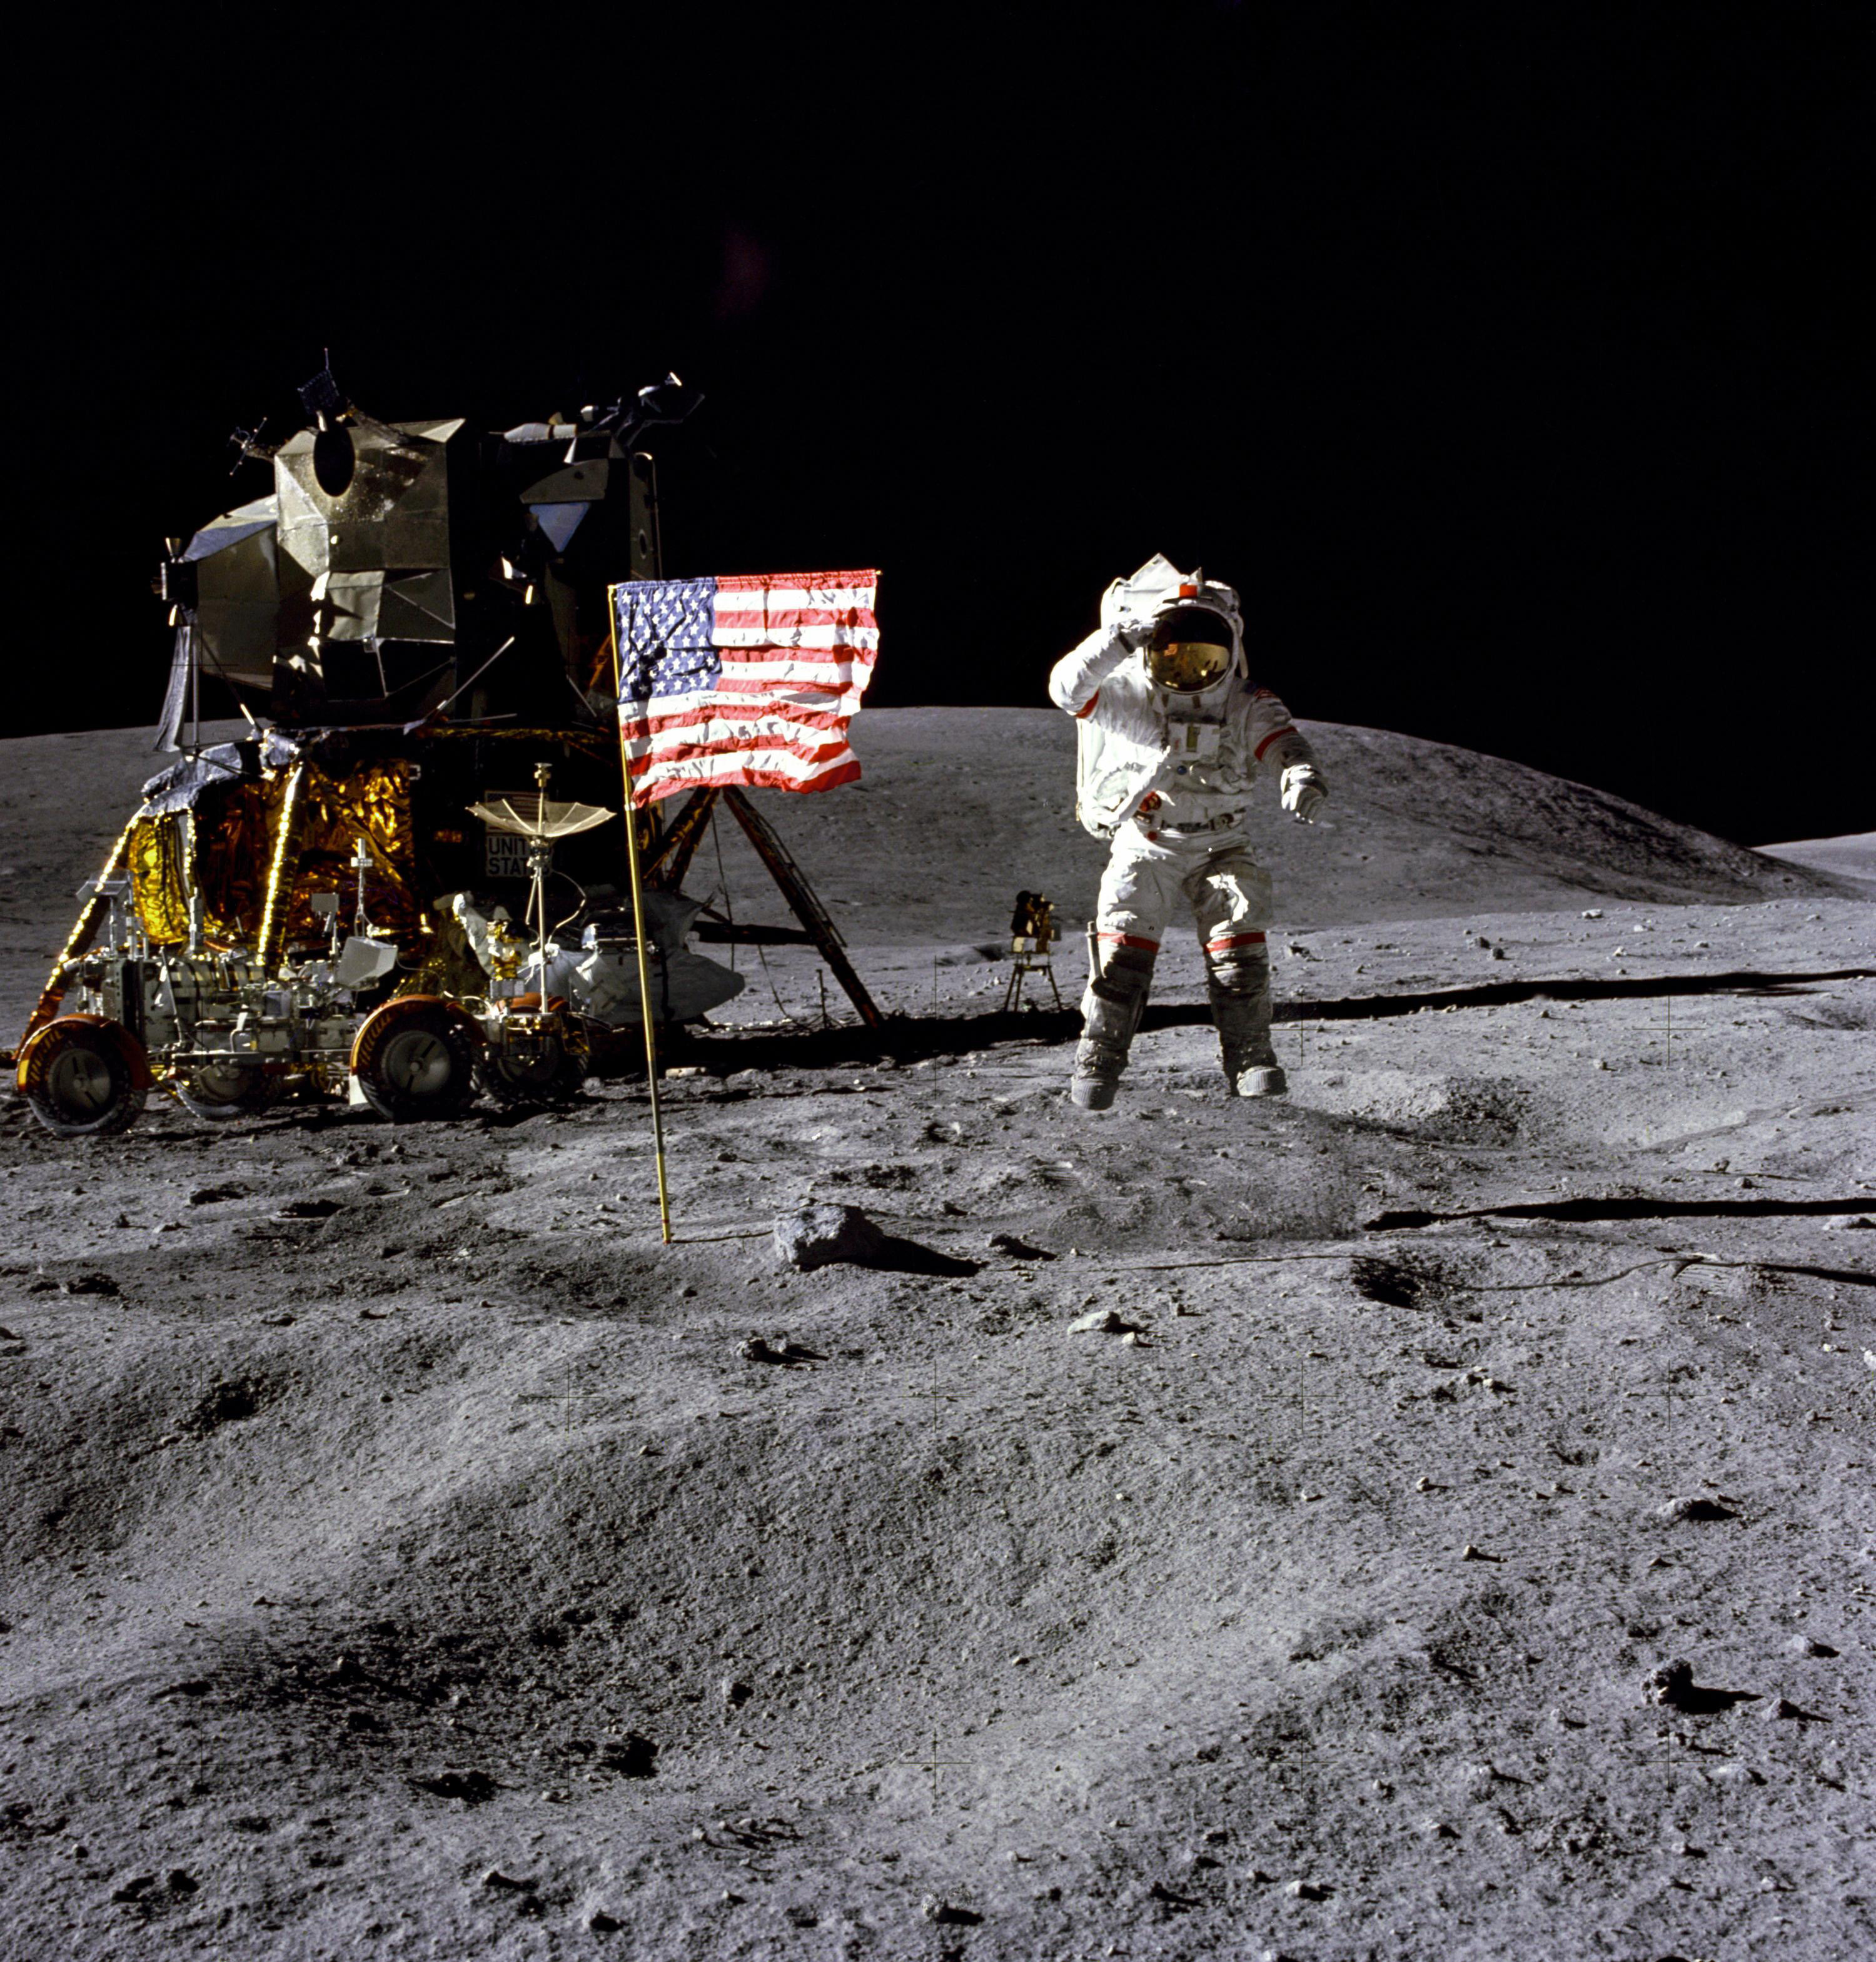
(1427, 1520)
(959, 807)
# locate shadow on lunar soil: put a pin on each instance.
(915, 1038)
(1588, 1209)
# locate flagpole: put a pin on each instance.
(638, 919)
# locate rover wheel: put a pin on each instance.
(553, 1075)
(83, 1077)
(220, 1091)
(415, 1058)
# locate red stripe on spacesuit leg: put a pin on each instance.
(1130, 939)
(1288, 729)
(1234, 940)
(1088, 709)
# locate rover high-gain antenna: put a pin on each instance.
(532, 815)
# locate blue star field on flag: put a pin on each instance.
(667, 647)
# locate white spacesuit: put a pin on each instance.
(1172, 729)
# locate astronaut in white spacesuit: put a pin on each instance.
(1173, 730)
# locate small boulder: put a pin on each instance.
(1015, 1249)
(472, 1788)
(1678, 1510)
(1673, 1687)
(1103, 1321)
(1668, 1686)
(946, 1915)
(822, 1235)
(631, 1756)
(790, 1355)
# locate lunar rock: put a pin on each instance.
(1673, 1686)
(819, 1236)
(789, 1355)
(935, 1908)
(1677, 1511)
(631, 1756)
(1103, 1321)
(1668, 1684)
(1015, 1249)
(472, 1788)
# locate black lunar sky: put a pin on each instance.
(1502, 357)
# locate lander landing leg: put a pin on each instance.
(668, 860)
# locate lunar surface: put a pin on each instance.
(1432, 1516)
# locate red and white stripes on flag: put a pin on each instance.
(743, 681)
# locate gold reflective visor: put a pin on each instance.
(1187, 667)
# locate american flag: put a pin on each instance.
(742, 680)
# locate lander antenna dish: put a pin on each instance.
(534, 816)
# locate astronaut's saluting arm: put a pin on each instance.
(1074, 682)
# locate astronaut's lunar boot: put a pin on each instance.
(1111, 1010)
(1238, 980)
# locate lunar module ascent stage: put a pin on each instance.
(405, 885)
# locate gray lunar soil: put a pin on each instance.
(1432, 1516)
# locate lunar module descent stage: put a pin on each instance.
(403, 885)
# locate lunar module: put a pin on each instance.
(403, 885)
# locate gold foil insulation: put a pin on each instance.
(238, 862)
(159, 883)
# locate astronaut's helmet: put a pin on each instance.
(1190, 650)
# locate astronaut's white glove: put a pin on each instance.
(1133, 634)
(1303, 792)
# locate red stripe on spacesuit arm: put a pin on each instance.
(1087, 708)
(1271, 730)
(1074, 682)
